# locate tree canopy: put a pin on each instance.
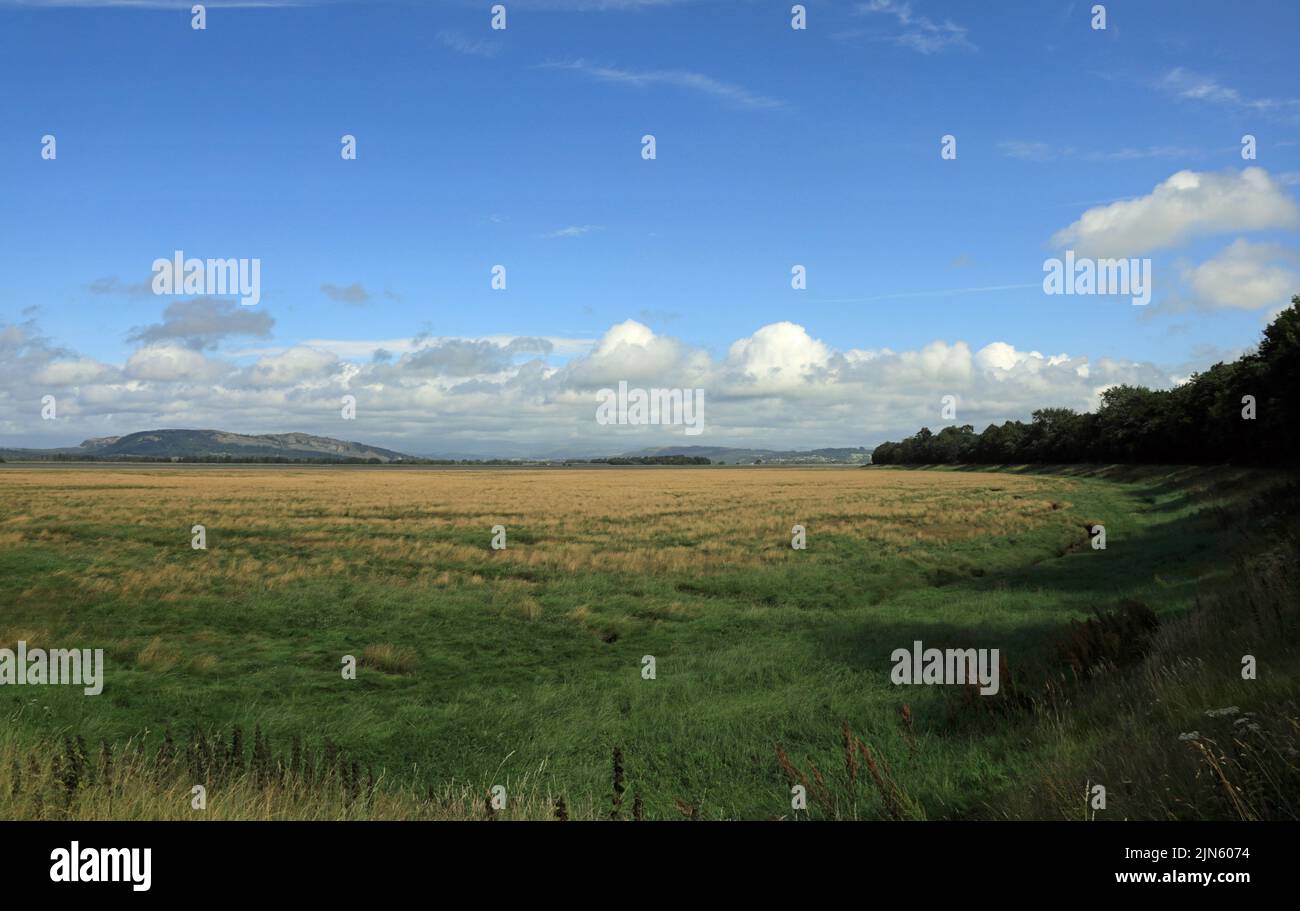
(1244, 412)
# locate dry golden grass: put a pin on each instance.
(132, 785)
(158, 655)
(431, 528)
(389, 658)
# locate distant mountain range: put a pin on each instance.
(221, 444)
(167, 444)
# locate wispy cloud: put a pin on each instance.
(1028, 151)
(354, 293)
(1129, 153)
(574, 231)
(458, 41)
(593, 5)
(920, 33)
(685, 79)
(1189, 86)
(160, 4)
(1042, 151)
(113, 285)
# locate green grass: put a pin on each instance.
(467, 684)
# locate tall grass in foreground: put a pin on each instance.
(48, 779)
(1179, 734)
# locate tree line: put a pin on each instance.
(1243, 412)
(643, 460)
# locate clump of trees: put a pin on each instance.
(1244, 412)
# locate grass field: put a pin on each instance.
(523, 667)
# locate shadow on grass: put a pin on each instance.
(1167, 565)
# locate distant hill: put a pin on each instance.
(200, 444)
(215, 445)
(730, 455)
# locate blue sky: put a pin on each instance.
(522, 147)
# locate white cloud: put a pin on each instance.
(1189, 204)
(1246, 276)
(73, 372)
(778, 386)
(936, 362)
(781, 354)
(169, 363)
(293, 366)
(631, 351)
(628, 332)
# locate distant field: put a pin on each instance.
(522, 667)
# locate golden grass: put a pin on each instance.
(158, 655)
(429, 529)
(133, 786)
(389, 658)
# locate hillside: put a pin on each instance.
(178, 444)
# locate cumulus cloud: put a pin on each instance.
(627, 333)
(171, 364)
(778, 386)
(470, 357)
(297, 365)
(1189, 204)
(1245, 276)
(202, 322)
(73, 372)
(781, 354)
(631, 351)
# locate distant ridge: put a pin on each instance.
(223, 445)
(213, 444)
